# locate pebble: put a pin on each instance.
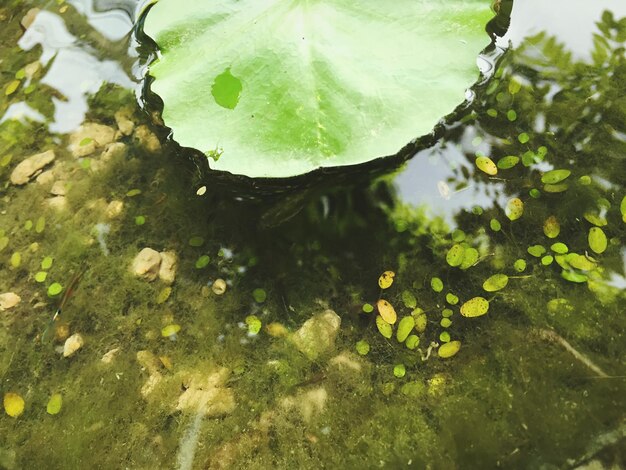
(124, 124)
(308, 404)
(169, 264)
(207, 394)
(147, 139)
(58, 188)
(72, 344)
(29, 18)
(146, 264)
(45, 178)
(114, 150)
(114, 209)
(9, 300)
(109, 356)
(92, 136)
(58, 203)
(317, 335)
(30, 166)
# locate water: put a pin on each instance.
(538, 381)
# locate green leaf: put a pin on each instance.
(622, 208)
(408, 299)
(384, 327)
(514, 209)
(405, 326)
(506, 163)
(475, 307)
(486, 165)
(454, 257)
(496, 282)
(54, 404)
(555, 176)
(597, 240)
(285, 87)
(449, 349)
(436, 284)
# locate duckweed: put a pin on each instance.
(555, 176)
(519, 265)
(196, 241)
(470, 258)
(454, 257)
(41, 276)
(506, 163)
(444, 337)
(254, 324)
(54, 404)
(140, 220)
(362, 347)
(523, 138)
(383, 327)
(40, 225)
(386, 279)
(514, 209)
(536, 250)
(449, 349)
(386, 311)
(16, 259)
(259, 295)
(486, 165)
(405, 326)
(496, 282)
(551, 227)
(368, 308)
(133, 192)
(399, 370)
(421, 321)
(412, 342)
(46, 263)
(597, 240)
(54, 289)
(436, 284)
(408, 299)
(560, 248)
(445, 322)
(547, 260)
(495, 225)
(203, 261)
(13, 404)
(475, 307)
(164, 294)
(451, 298)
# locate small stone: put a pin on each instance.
(28, 167)
(317, 335)
(207, 394)
(58, 188)
(29, 18)
(57, 203)
(9, 300)
(149, 361)
(147, 139)
(219, 287)
(308, 404)
(346, 361)
(125, 125)
(114, 150)
(146, 264)
(114, 209)
(169, 264)
(72, 344)
(61, 332)
(45, 178)
(89, 137)
(108, 357)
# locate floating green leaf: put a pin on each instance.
(164, 295)
(486, 165)
(560, 248)
(555, 188)
(547, 260)
(597, 240)
(573, 276)
(555, 176)
(514, 209)
(436, 284)
(387, 312)
(445, 322)
(399, 370)
(170, 331)
(203, 261)
(196, 241)
(495, 225)
(536, 250)
(384, 327)
(506, 163)
(551, 227)
(54, 404)
(444, 337)
(368, 308)
(408, 299)
(405, 326)
(496, 282)
(595, 219)
(41, 276)
(622, 208)
(520, 265)
(46, 263)
(254, 324)
(412, 342)
(317, 91)
(54, 289)
(259, 295)
(449, 349)
(16, 259)
(386, 279)
(421, 321)
(470, 258)
(451, 298)
(454, 257)
(13, 404)
(362, 347)
(475, 307)
(581, 262)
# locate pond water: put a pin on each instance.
(259, 346)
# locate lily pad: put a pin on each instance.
(336, 84)
(486, 165)
(386, 279)
(475, 307)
